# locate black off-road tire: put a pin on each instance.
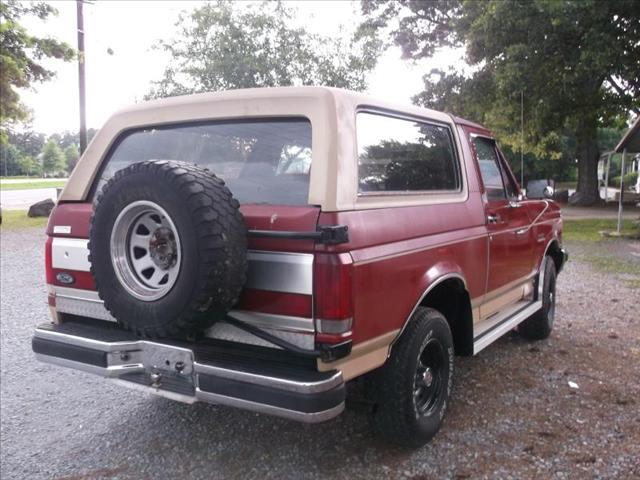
(396, 416)
(540, 324)
(213, 247)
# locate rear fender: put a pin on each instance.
(435, 277)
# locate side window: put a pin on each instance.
(397, 155)
(490, 168)
(509, 186)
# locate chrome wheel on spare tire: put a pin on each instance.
(167, 248)
(145, 250)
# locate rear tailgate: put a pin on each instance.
(278, 293)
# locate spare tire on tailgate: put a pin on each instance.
(167, 248)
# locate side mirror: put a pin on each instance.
(548, 192)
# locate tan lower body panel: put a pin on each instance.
(371, 354)
(496, 300)
(364, 357)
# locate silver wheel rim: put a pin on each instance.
(145, 250)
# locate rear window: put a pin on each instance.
(261, 161)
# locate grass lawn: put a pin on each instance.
(587, 230)
(600, 251)
(29, 184)
(565, 185)
(17, 219)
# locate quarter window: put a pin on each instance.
(398, 155)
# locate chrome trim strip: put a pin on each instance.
(70, 254)
(268, 381)
(500, 329)
(316, 417)
(280, 272)
(77, 294)
(273, 271)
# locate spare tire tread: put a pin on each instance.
(214, 214)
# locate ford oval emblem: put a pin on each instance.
(65, 277)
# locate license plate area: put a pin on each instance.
(162, 367)
(167, 359)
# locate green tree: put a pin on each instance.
(27, 141)
(53, 161)
(20, 58)
(29, 166)
(71, 156)
(576, 62)
(9, 158)
(226, 45)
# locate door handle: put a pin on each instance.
(492, 219)
(522, 231)
(514, 204)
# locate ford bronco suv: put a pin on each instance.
(261, 248)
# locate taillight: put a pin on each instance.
(333, 305)
(48, 261)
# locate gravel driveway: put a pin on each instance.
(513, 413)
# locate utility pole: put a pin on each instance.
(521, 138)
(81, 84)
(624, 157)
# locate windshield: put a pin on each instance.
(261, 161)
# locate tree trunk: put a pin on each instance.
(588, 191)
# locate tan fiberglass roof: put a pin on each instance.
(331, 112)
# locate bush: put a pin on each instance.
(630, 180)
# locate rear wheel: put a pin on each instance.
(413, 387)
(540, 324)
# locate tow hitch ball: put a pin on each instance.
(155, 380)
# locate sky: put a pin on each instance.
(130, 29)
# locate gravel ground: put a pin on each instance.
(513, 413)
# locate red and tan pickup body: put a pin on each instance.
(476, 260)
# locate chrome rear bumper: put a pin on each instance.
(213, 373)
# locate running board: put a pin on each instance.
(503, 325)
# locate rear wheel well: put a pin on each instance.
(451, 298)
